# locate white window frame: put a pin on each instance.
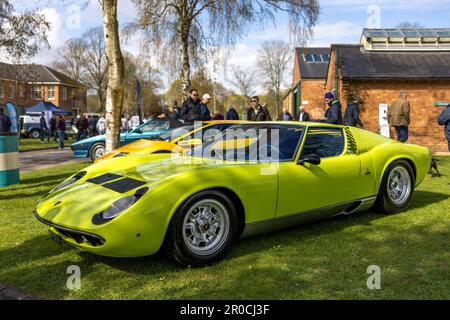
(36, 94)
(2, 91)
(64, 93)
(52, 97)
(12, 91)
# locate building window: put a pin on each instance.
(64, 93)
(11, 91)
(21, 91)
(36, 93)
(2, 91)
(51, 92)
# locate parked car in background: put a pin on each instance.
(94, 147)
(29, 126)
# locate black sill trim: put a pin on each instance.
(67, 229)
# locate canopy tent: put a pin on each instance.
(45, 106)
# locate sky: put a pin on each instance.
(340, 21)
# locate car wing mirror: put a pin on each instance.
(310, 158)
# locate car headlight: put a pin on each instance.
(118, 207)
(75, 178)
(120, 154)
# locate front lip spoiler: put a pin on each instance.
(56, 226)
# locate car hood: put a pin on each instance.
(75, 205)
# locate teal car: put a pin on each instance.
(94, 147)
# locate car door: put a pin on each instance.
(336, 180)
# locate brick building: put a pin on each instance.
(26, 85)
(310, 72)
(386, 62)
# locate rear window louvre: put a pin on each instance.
(124, 185)
(352, 147)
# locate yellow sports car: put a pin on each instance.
(176, 140)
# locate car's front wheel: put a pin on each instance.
(202, 230)
(396, 188)
(97, 151)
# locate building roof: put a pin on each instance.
(313, 69)
(354, 62)
(34, 73)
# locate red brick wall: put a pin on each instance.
(313, 92)
(422, 95)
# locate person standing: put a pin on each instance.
(257, 111)
(82, 125)
(444, 120)
(61, 129)
(43, 127)
(92, 126)
(399, 116)
(351, 117)
(101, 125)
(232, 114)
(190, 110)
(333, 114)
(303, 115)
(176, 110)
(5, 121)
(205, 114)
(52, 133)
(287, 115)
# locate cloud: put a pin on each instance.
(350, 5)
(339, 32)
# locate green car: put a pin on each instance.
(250, 179)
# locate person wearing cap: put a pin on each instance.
(205, 114)
(444, 120)
(333, 114)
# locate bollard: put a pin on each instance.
(9, 159)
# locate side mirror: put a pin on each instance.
(311, 158)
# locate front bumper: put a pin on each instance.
(80, 153)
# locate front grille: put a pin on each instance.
(81, 237)
(124, 185)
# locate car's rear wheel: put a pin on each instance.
(202, 230)
(35, 134)
(97, 151)
(396, 189)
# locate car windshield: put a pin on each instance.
(175, 133)
(154, 125)
(252, 142)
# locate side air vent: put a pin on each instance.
(352, 147)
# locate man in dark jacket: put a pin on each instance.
(205, 114)
(302, 114)
(190, 110)
(43, 127)
(444, 120)
(5, 122)
(333, 114)
(260, 113)
(232, 114)
(351, 117)
(53, 132)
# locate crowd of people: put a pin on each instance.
(195, 108)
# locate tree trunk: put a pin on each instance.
(186, 66)
(116, 74)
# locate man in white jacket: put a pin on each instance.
(101, 125)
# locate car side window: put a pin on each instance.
(324, 142)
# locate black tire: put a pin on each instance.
(35, 134)
(178, 247)
(95, 151)
(385, 202)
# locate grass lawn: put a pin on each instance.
(325, 260)
(27, 144)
